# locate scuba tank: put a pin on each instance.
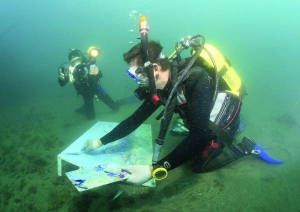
(224, 69)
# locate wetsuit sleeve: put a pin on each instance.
(131, 123)
(198, 95)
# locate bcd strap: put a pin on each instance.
(222, 135)
(225, 139)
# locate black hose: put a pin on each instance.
(184, 73)
(145, 49)
(217, 77)
(172, 99)
(170, 107)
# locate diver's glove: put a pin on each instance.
(61, 74)
(90, 145)
(140, 174)
(94, 70)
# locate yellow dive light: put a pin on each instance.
(159, 173)
(93, 52)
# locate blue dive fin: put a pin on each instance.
(262, 154)
(248, 146)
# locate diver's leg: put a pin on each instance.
(81, 110)
(202, 162)
(89, 107)
(104, 97)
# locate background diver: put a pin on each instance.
(85, 76)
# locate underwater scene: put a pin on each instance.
(41, 116)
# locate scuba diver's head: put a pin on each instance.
(75, 57)
(80, 73)
(74, 53)
(136, 60)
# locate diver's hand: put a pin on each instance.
(61, 76)
(90, 145)
(139, 174)
(94, 70)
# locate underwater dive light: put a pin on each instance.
(93, 52)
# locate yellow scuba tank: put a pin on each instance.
(223, 67)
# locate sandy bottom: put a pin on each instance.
(32, 135)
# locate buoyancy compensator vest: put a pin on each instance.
(225, 70)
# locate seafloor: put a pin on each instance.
(32, 135)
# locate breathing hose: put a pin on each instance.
(172, 100)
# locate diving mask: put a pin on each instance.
(75, 61)
(138, 74)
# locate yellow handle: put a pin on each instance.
(159, 173)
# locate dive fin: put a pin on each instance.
(262, 154)
(250, 147)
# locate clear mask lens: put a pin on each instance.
(75, 61)
(132, 74)
(143, 80)
(138, 75)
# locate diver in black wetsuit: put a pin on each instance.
(196, 106)
(85, 76)
(188, 88)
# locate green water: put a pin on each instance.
(37, 119)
